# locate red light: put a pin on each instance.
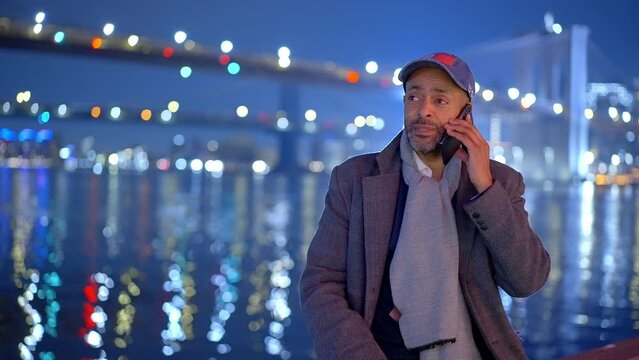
(163, 164)
(225, 59)
(91, 292)
(352, 77)
(263, 117)
(167, 52)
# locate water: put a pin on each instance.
(188, 266)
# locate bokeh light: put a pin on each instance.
(371, 67)
(242, 111)
(40, 16)
(179, 37)
(173, 106)
(310, 115)
(133, 40)
(146, 115)
(96, 43)
(108, 29)
(226, 46)
(284, 52)
(513, 93)
(95, 112)
(58, 37)
(186, 72)
(233, 68)
(352, 77)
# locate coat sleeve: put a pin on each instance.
(338, 332)
(521, 262)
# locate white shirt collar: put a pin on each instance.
(421, 167)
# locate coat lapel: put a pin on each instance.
(465, 228)
(380, 199)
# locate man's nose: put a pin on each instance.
(425, 110)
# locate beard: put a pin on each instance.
(422, 146)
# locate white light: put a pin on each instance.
(316, 166)
(173, 106)
(39, 18)
(615, 160)
(6, 106)
(630, 136)
(614, 113)
(226, 46)
(556, 28)
(359, 121)
(133, 40)
(310, 115)
(282, 123)
(214, 166)
(626, 117)
(351, 129)
(284, 62)
(589, 113)
(513, 93)
(108, 29)
(196, 165)
(477, 87)
(113, 159)
(34, 108)
(179, 37)
(528, 100)
(242, 111)
(116, 112)
(379, 124)
(64, 153)
(396, 80)
(260, 167)
(488, 95)
(371, 120)
(628, 159)
(371, 67)
(500, 158)
(37, 28)
(62, 110)
(589, 157)
(166, 115)
(284, 52)
(93, 338)
(557, 108)
(99, 317)
(180, 164)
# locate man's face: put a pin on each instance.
(431, 100)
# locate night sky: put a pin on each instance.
(349, 33)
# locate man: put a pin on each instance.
(409, 252)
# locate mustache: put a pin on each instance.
(423, 121)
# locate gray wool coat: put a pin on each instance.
(340, 284)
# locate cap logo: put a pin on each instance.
(445, 59)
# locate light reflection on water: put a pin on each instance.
(184, 265)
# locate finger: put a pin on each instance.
(462, 155)
(466, 135)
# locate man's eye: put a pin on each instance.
(412, 98)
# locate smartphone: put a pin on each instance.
(448, 145)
